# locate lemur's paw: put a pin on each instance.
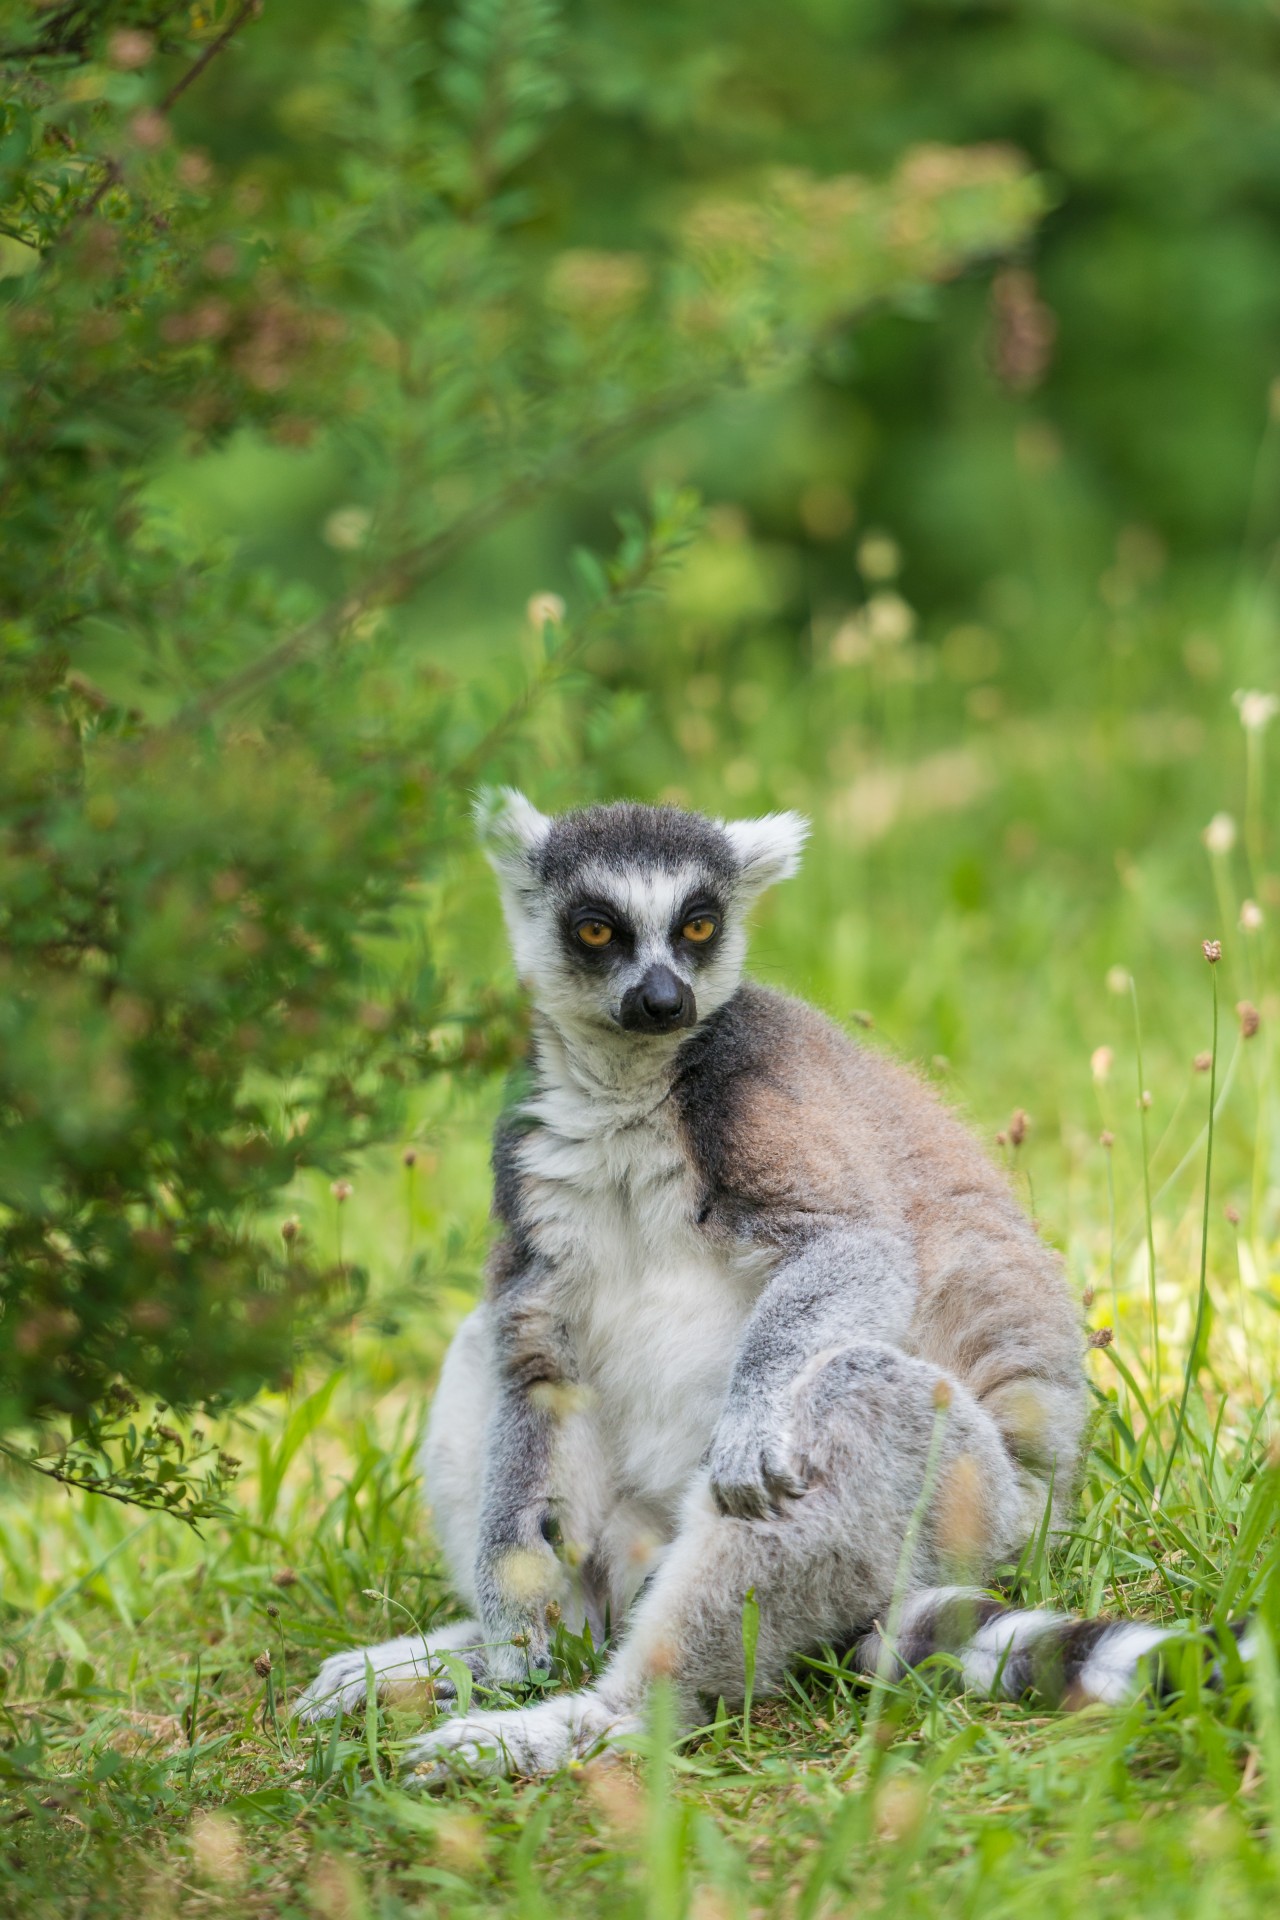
(529, 1741)
(403, 1672)
(752, 1474)
(473, 1745)
(513, 1662)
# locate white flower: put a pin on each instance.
(544, 610)
(879, 556)
(1257, 710)
(347, 528)
(1118, 980)
(889, 619)
(1102, 1061)
(1220, 834)
(1251, 916)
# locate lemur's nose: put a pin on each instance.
(658, 1003)
(661, 994)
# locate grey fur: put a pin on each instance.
(757, 1301)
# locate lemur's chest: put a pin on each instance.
(655, 1309)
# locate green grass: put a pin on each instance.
(987, 877)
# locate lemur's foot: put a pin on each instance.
(754, 1469)
(530, 1741)
(409, 1667)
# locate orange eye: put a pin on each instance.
(699, 929)
(594, 933)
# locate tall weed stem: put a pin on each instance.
(1146, 1192)
(1193, 1355)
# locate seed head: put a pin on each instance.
(1212, 951)
(342, 1191)
(1145, 1101)
(1002, 1138)
(1251, 916)
(879, 556)
(1232, 1214)
(1087, 1298)
(941, 1394)
(1101, 1336)
(1249, 1018)
(262, 1665)
(347, 528)
(217, 1851)
(130, 48)
(1018, 1127)
(544, 610)
(1118, 979)
(901, 1807)
(1220, 834)
(290, 1229)
(284, 1577)
(1257, 710)
(1106, 1139)
(1101, 1062)
(150, 129)
(410, 1157)
(1202, 1062)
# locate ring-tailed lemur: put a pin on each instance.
(762, 1318)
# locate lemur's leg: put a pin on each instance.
(454, 1462)
(909, 1484)
(452, 1457)
(842, 1286)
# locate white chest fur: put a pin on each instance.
(656, 1312)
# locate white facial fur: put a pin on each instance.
(645, 895)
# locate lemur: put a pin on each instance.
(761, 1319)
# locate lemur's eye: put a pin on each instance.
(700, 928)
(594, 933)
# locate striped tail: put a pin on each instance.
(1012, 1652)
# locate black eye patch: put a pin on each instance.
(696, 928)
(594, 932)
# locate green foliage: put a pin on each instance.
(223, 792)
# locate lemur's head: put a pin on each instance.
(631, 918)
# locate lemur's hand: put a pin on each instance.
(520, 1590)
(755, 1464)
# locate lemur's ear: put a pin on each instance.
(510, 829)
(767, 849)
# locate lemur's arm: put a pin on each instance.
(844, 1285)
(517, 1573)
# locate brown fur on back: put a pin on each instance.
(794, 1125)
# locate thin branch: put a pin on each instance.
(247, 9)
(113, 173)
(399, 576)
(83, 1484)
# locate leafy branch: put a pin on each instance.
(153, 1467)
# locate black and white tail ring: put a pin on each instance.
(1013, 1652)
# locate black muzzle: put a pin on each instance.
(658, 1003)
